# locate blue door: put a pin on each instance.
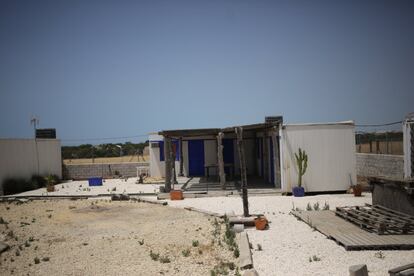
(228, 153)
(196, 157)
(272, 162)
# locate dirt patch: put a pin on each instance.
(88, 237)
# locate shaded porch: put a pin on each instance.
(224, 159)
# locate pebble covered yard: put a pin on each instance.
(291, 247)
(103, 237)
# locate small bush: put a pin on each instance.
(17, 185)
(308, 207)
(315, 258)
(36, 260)
(45, 259)
(325, 206)
(186, 252)
(316, 206)
(165, 260)
(141, 242)
(196, 243)
(154, 256)
(259, 247)
(38, 181)
(236, 253)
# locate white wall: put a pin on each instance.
(331, 156)
(157, 167)
(18, 158)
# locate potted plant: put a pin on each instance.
(357, 190)
(302, 163)
(261, 223)
(50, 183)
(176, 195)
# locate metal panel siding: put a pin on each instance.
(331, 156)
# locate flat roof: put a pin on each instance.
(215, 131)
(350, 123)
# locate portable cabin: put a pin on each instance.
(268, 150)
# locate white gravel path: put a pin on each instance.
(82, 188)
(289, 243)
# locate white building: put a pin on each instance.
(22, 158)
(330, 148)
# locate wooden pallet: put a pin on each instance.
(351, 236)
(378, 219)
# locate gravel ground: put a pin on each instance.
(109, 186)
(100, 237)
(289, 243)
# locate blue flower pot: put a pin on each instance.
(298, 191)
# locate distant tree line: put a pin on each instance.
(102, 150)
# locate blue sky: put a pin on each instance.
(126, 68)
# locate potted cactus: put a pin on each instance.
(50, 183)
(302, 163)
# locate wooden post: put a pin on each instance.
(167, 158)
(220, 161)
(243, 173)
(265, 156)
(275, 154)
(181, 158)
(173, 151)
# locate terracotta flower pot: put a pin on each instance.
(176, 195)
(357, 189)
(260, 223)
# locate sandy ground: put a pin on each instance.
(91, 237)
(289, 243)
(110, 186)
(105, 160)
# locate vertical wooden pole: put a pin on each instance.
(181, 158)
(220, 161)
(243, 173)
(275, 154)
(266, 157)
(173, 152)
(167, 158)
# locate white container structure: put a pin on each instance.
(331, 156)
(22, 158)
(269, 154)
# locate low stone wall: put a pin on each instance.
(381, 165)
(84, 171)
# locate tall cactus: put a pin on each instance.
(302, 162)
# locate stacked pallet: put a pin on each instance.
(378, 219)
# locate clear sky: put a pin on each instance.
(125, 68)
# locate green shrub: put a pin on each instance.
(196, 243)
(186, 252)
(165, 260)
(16, 185)
(154, 256)
(38, 181)
(20, 185)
